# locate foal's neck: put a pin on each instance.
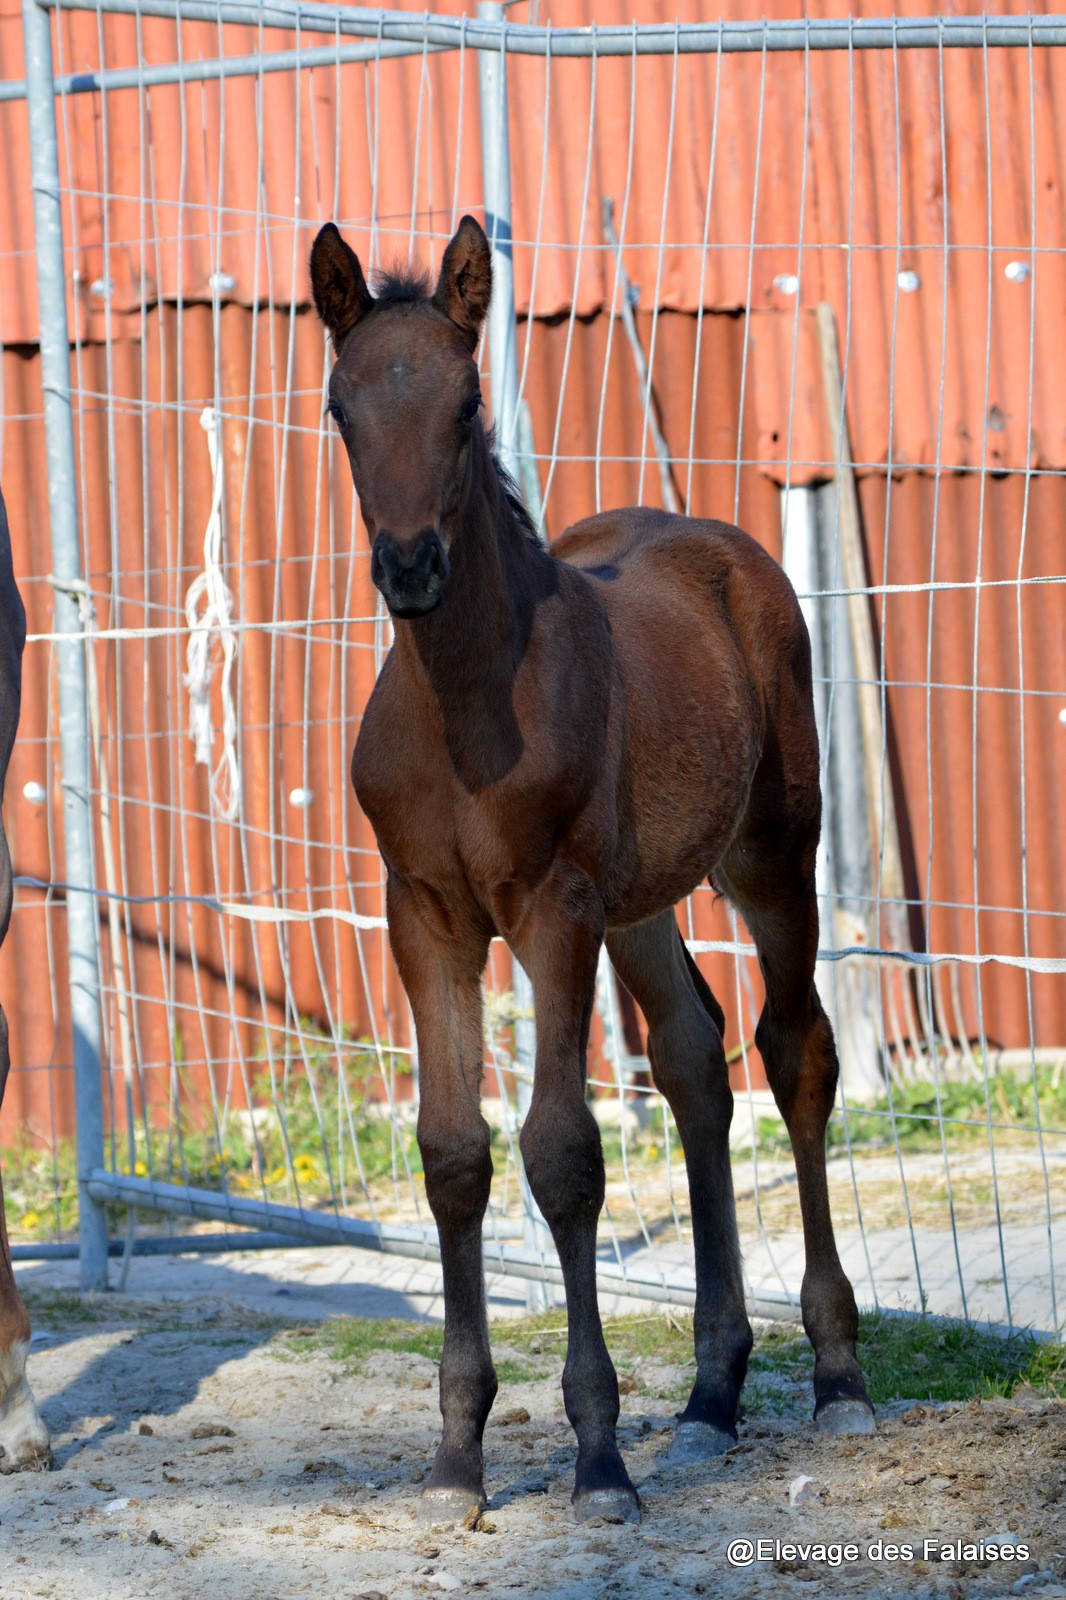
(469, 650)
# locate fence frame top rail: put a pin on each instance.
(451, 32)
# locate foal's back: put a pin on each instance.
(714, 661)
(658, 574)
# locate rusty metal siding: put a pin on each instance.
(904, 152)
(299, 694)
(297, 550)
(188, 853)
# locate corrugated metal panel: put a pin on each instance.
(293, 553)
(902, 154)
(976, 683)
(289, 503)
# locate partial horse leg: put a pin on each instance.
(23, 1436)
(685, 1026)
(558, 943)
(441, 973)
(772, 884)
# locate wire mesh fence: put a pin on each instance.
(807, 277)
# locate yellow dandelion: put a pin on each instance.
(140, 1169)
(31, 1220)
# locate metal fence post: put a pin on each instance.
(496, 176)
(503, 370)
(82, 929)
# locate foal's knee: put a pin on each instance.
(458, 1170)
(563, 1158)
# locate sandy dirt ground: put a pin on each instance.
(198, 1455)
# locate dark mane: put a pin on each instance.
(511, 492)
(402, 281)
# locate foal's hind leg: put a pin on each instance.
(685, 1025)
(772, 884)
(442, 975)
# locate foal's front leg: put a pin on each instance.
(558, 944)
(442, 976)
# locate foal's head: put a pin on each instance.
(404, 394)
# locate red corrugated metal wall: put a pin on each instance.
(938, 377)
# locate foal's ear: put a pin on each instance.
(337, 283)
(464, 287)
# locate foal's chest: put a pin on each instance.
(432, 826)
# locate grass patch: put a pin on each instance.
(58, 1310)
(352, 1340)
(903, 1358)
(317, 1127)
(915, 1109)
(923, 1358)
(55, 1308)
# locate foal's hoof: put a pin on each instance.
(845, 1416)
(698, 1441)
(611, 1505)
(448, 1505)
(29, 1455)
(24, 1443)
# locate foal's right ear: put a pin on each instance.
(337, 283)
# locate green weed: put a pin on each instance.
(916, 1114)
(903, 1357)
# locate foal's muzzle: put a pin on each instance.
(411, 577)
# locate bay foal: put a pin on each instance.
(558, 749)
(23, 1437)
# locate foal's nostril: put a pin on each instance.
(438, 560)
(378, 572)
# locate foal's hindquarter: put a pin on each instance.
(558, 756)
(23, 1437)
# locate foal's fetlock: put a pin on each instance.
(449, 1505)
(841, 1403)
(603, 1488)
(454, 1488)
(707, 1427)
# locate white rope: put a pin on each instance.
(212, 638)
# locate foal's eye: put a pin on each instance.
(470, 409)
(337, 413)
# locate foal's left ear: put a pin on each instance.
(464, 287)
(337, 283)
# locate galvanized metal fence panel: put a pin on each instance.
(241, 1045)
